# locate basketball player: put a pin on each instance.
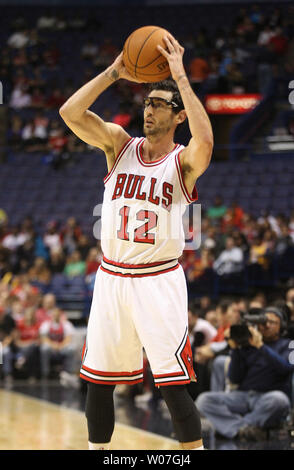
(140, 294)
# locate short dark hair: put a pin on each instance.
(169, 85)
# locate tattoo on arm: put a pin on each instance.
(113, 75)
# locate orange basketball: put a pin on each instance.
(141, 57)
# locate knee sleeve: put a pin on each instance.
(100, 412)
(184, 414)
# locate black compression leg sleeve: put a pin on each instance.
(184, 414)
(100, 412)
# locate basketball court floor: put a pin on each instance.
(47, 416)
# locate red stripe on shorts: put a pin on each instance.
(109, 382)
(112, 374)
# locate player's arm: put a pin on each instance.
(195, 158)
(87, 125)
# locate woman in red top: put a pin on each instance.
(27, 343)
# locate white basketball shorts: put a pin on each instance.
(136, 307)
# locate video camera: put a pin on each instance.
(240, 333)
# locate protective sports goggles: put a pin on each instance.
(159, 103)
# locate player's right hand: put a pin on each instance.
(118, 70)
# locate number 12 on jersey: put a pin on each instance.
(141, 234)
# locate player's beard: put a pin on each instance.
(158, 129)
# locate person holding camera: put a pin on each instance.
(260, 369)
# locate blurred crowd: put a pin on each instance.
(246, 56)
(35, 332)
(232, 239)
(242, 56)
(30, 260)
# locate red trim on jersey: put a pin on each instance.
(154, 162)
(139, 275)
(194, 196)
(117, 159)
(114, 382)
(147, 265)
(112, 374)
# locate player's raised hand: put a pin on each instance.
(118, 70)
(174, 55)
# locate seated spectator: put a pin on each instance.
(211, 358)
(5, 262)
(200, 330)
(55, 99)
(20, 58)
(108, 50)
(201, 263)
(241, 242)
(217, 210)
(258, 300)
(211, 317)
(23, 290)
(14, 134)
(89, 50)
(56, 262)
(210, 239)
(75, 266)
(226, 316)
(37, 78)
(83, 246)
(39, 274)
(44, 312)
(52, 238)
(265, 35)
(57, 343)
(70, 235)
(198, 70)
(25, 355)
(37, 99)
(258, 252)
(27, 135)
(200, 333)
(58, 147)
(17, 309)
(14, 238)
(284, 240)
(41, 123)
(290, 303)
(34, 137)
(51, 55)
(269, 239)
(230, 261)
(25, 255)
(278, 43)
(93, 260)
(123, 117)
(262, 373)
(75, 146)
(256, 15)
(18, 39)
(20, 98)
(7, 334)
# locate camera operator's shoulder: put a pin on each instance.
(283, 344)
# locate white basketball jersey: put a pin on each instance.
(143, 207)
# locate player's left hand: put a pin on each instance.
(174, 55)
